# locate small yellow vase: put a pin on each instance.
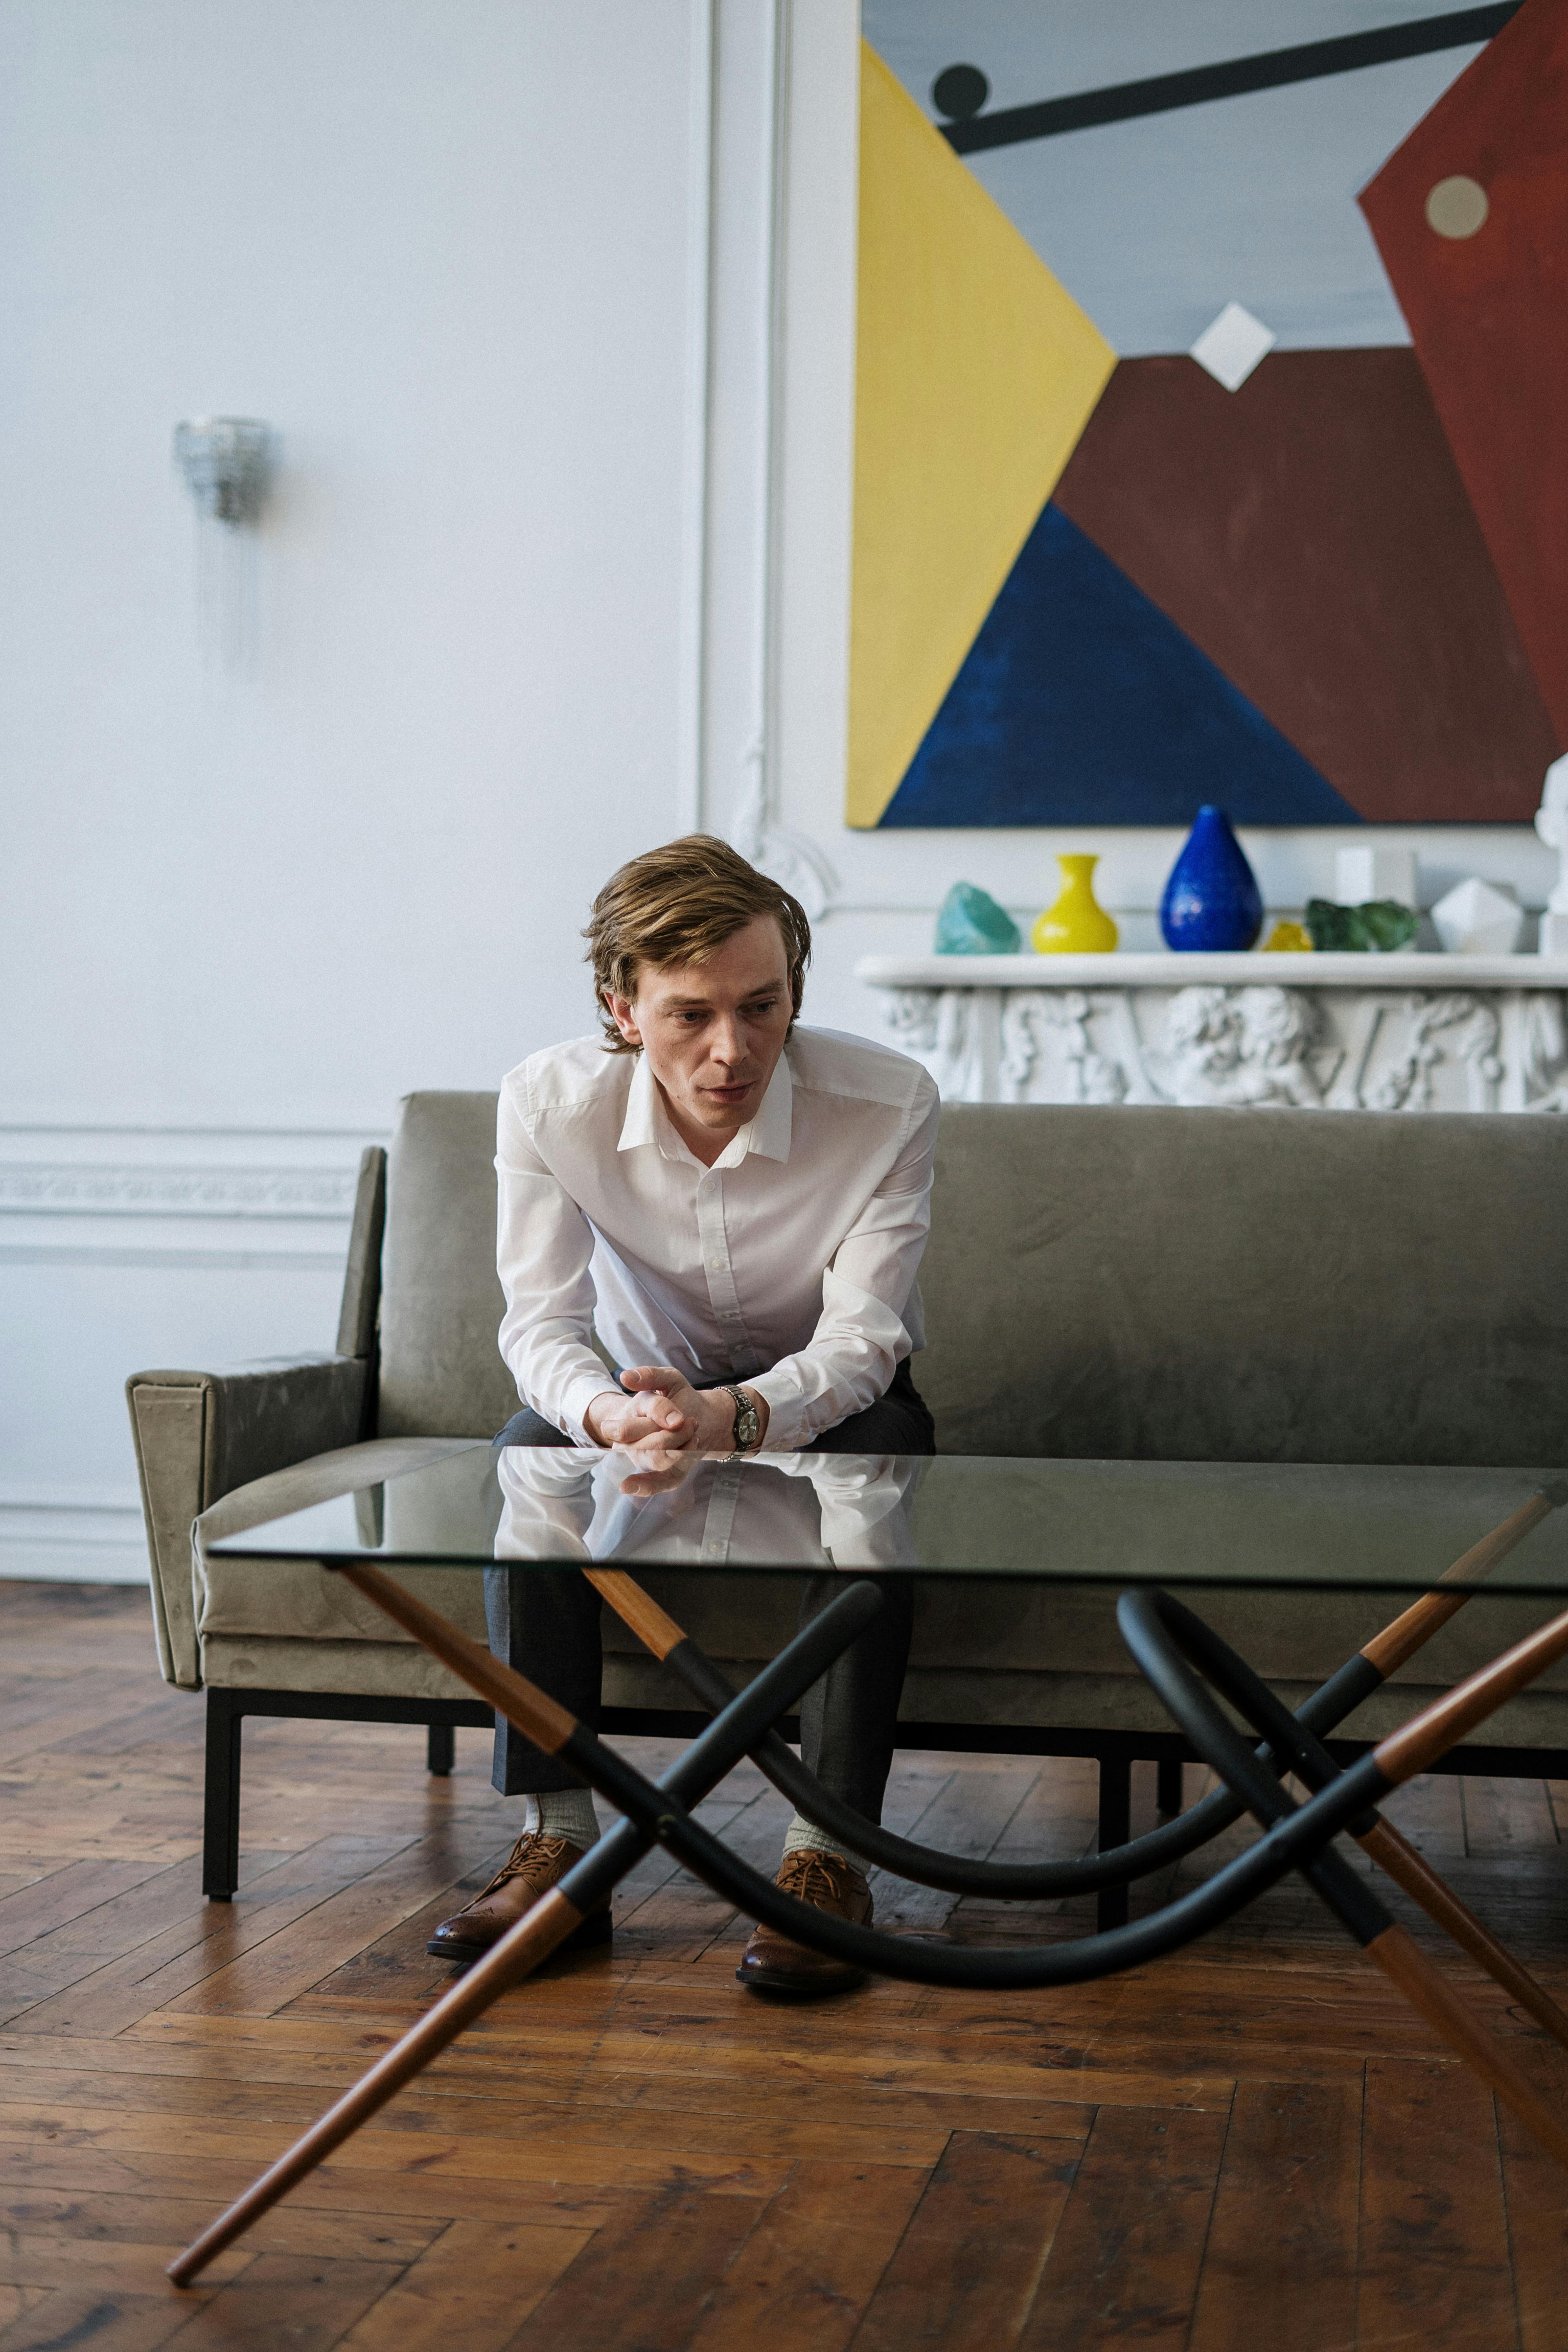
(1076, 924)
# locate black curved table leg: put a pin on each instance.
(1114, 1864)
(1110, 1905)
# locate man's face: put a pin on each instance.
(713, 1032)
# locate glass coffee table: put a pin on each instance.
(996, 1546)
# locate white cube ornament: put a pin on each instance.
(1361, 874)
(1479, 918)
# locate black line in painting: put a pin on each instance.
(1084, 109)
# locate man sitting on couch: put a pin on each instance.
(737, 1209)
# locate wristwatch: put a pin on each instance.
(748, 1422)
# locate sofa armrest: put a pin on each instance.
(359, 1321)
(198, 1435)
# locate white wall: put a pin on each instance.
(444, 247)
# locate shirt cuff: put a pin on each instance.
(788, 1426)
(580, 1394)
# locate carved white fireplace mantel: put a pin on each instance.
(1413, 1032)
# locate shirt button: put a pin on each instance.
(717, 1263)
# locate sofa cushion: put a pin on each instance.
(1248, 1285)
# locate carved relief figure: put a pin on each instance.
(1241, 1045)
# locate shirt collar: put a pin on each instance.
(640, 1124)
(769, 1130)
(768, 1133)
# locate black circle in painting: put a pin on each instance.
(959, 91)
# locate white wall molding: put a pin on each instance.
(145, 1255)
(73, 1543)
(696, 459)
(751, 177)
(88, 1189)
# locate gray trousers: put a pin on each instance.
(547, 1627)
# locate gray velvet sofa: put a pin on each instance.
(1384, 1295)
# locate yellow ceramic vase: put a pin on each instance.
(1076, 924)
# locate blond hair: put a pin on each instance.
(678, 905)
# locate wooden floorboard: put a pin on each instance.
(1255, 2143)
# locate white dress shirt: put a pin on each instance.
(790, 1264)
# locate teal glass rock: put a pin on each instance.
(971, 923)
(1378, 928)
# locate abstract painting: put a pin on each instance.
(1176, 485)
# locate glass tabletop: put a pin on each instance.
(1292, 1526)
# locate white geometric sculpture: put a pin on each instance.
(1231, 346)
(1552, 825)
(1479, 918)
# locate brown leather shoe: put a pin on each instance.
(773, 1963)
(534, 1865)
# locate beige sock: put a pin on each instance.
(804, 1832)
(565, 1813)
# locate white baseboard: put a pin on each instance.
(56, 1544)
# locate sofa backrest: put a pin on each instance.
(1129, 1282)
(441, 1372)
(1250, 1286)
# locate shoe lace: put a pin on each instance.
(812, 1876)
(535, 1852)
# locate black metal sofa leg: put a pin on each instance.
(220, 1815)
(441, 1749)
(1115, 1829)
(1168, 1787)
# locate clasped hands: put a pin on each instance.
(664, 1424)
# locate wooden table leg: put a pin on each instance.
(525, 1945)
(534, 1936)
(1411, 1870)
(1405, 1965)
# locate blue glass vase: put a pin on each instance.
(1212, 900)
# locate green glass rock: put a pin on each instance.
(1388, 924)
(1378, 928)
(971, 923)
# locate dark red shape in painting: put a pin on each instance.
(1311, 534)
(1490, 312)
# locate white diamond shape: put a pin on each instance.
(1231, 346)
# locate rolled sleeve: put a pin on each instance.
(864, 1332)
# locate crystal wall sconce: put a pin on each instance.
(227, 461)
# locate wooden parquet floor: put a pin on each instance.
(1253, 2148)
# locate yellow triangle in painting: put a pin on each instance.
(977, 372)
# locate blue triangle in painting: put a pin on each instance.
(1080, 703)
